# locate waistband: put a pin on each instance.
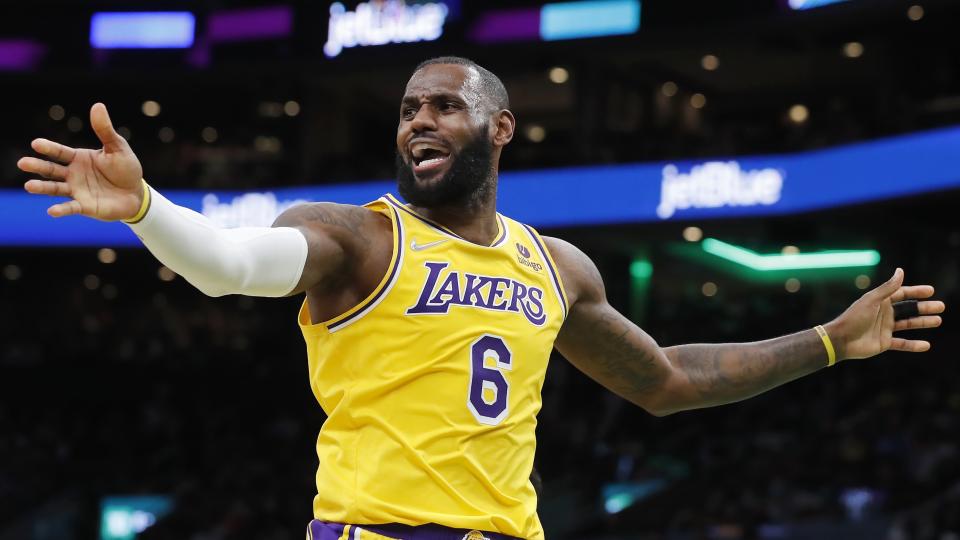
(323, 530)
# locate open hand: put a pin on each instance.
(104, 184)
(866, 328)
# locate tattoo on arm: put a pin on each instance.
(601, 342)
(346, 218)
(631, 363)
(724, 373)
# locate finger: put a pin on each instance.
(915, 323)
(43, 167)
(931, 307)
(103, 127)
(48, 187)
(54, 150)
(889, 287)
(909, 345)
(69, 208)
(912, 292)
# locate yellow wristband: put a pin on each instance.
(831, 353)
(144, 205)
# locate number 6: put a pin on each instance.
(483, 378)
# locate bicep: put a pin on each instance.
(332, 232)
(602, 343)
(610, 349)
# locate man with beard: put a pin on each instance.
(429, 324)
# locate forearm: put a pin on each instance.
(715, 374)
(257, 261)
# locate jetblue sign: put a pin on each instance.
(581, 196)
(716, 184)
(383, 22)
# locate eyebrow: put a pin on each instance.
(407, 100)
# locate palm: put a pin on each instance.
(103, 184)
(866, 328)
(872, 324)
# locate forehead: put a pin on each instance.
(441, 79)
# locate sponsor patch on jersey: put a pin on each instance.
(474, 535)
(524, 258)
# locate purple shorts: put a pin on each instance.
(323, 530)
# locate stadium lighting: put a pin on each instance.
(641, 269)
(798, 261)
(854, 49)
(710, 62)
(709, 289)
(142, 30)
(810, 4)
(799, 113)
(559, 75)
(692, 234)
(574, 20)
(669, 88)
(536, 133)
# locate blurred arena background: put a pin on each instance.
(697, 151)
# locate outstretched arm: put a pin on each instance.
(619, 355)
(308, 245)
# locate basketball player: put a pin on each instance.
(429, 324)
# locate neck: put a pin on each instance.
(474, 221)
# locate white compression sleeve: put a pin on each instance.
(255, 261)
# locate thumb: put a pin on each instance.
(890, 286)
(100, 121)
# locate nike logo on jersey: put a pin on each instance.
(420, 247)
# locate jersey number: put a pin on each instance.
(489, 389)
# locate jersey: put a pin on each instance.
(431, 385)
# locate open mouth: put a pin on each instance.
(428, 157)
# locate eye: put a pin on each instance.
(449, 105)
(408, 112)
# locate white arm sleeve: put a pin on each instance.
(255, 261)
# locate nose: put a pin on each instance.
(424, 120)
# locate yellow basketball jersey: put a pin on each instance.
(432, 384)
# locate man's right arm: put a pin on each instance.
(309, 245)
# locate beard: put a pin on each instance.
(467, 180)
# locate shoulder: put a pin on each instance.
(325, 215)
(581, 279)
(346, 244)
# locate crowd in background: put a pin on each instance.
(141, 386)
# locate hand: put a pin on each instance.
(866, 328)
(104, 184)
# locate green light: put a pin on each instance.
(798, 261)
(641, 269)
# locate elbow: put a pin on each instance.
(213, 289)
(662, 403)
(659, 411)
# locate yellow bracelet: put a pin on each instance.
(144, 205)
(831, 353)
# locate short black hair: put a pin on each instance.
(494, 93)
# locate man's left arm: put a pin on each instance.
(616, 353)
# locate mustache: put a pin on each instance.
(432, 137)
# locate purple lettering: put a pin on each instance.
(423, 305)
(471, 291)
(533, 309)
(450, 288)
(437, 295)
(496, 293)
(519, 293)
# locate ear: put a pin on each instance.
(504, 124)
